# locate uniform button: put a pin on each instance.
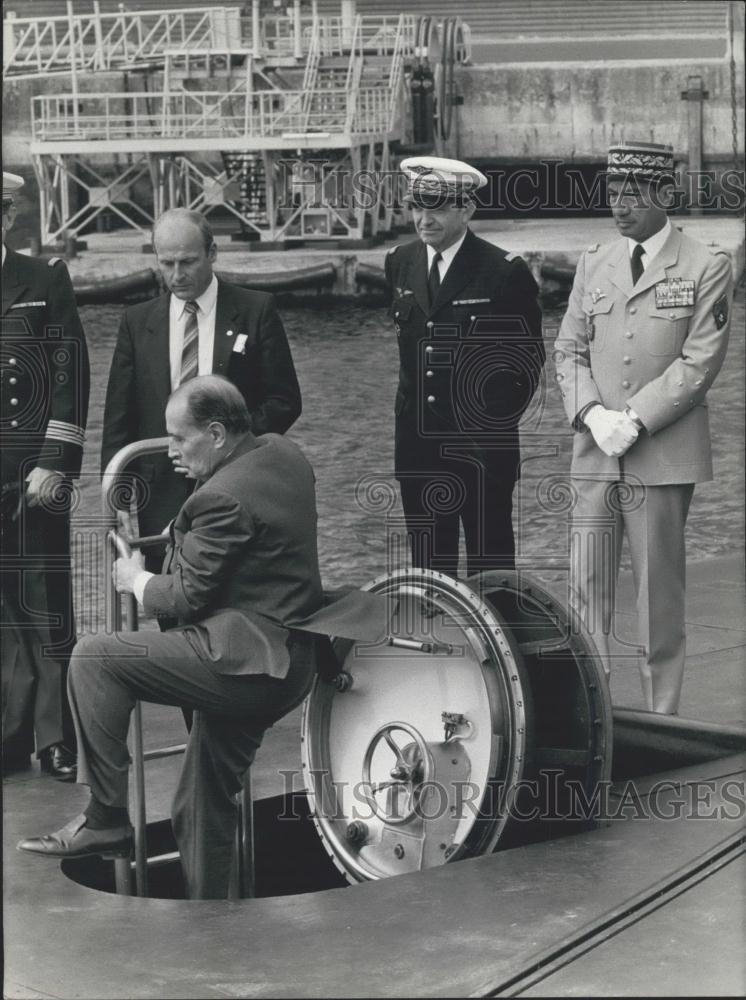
(428, 373)
(676, 403)
(627, 359)
(628, 335)
(563, 393)
(430, 324)
(626, 384)
(559, 377)
(429, 349)
(14, 423)
(431, 399)
(672, 315)
(633, 309)
(396, 314)
(12, 361)
(681, 383)
(472, 318)
(14, 402)
(13, 380)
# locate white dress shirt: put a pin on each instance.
(446, 256)
(177, 319)
(652, 245)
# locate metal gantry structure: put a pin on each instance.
(286, 122)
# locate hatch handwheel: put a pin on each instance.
(412, 771)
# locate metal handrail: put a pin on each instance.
(238, 113)
(113, 620)
(107, 41)
(37, 46)
(310, 76)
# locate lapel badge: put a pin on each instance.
(597, 295)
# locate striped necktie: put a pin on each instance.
(190, 350)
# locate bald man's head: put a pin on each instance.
(213, 397)
(206, 418)
(185, 252)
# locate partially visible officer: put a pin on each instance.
(45, 381)
(469, 329)
(200, 326)
(642, 341)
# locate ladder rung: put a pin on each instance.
(171, 751)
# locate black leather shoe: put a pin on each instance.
(76, 840)
(60, 762)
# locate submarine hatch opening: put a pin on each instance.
(478, 724)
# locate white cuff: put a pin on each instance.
(138, 586)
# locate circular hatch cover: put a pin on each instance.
(413, 752)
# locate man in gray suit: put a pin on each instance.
(242, 567)
(642, 341)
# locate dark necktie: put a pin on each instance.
(637, 268)
(433, 279)
(190, 350)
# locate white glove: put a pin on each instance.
(41, 485)
(613, 430)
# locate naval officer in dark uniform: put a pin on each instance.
(45, 380)
(468, 325)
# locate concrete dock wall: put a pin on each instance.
(524, 113)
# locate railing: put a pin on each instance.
(379, 34)
(371, 112)
(35, 46)
(207, 114)
(98, 42)
(310, 76)
(403, 48)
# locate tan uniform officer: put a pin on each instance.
(642, 341)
